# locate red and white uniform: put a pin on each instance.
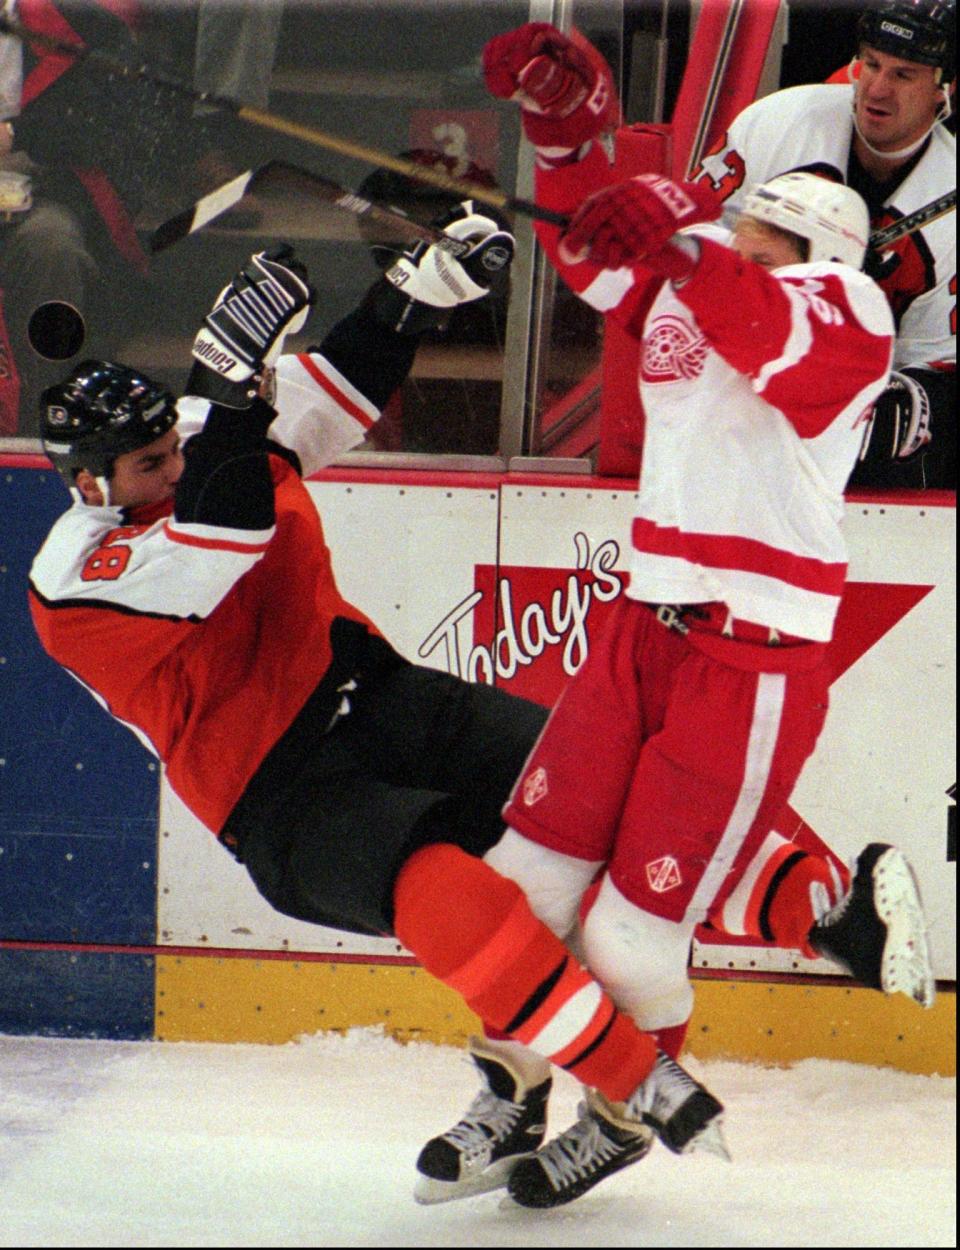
(754, 387)
(811, 128)
(203, 640)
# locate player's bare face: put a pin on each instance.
(769, 248)
(896, 100)
(149, 474)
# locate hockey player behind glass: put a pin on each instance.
(190, 588)
(885, 136)
(762, 354)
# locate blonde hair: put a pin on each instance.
(766, 229)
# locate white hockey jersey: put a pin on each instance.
(755, 386)
(811, 128)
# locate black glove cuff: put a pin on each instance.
(241, 428)
(206, 384)
(392, 308)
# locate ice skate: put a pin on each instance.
(600, 1143)
(878, 931)
(504, 1123)
(682, 1113)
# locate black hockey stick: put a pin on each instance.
(294, 177)
(913, 221)
(459, 187)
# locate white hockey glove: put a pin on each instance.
(422, 286)
(900, 424)
(244, 332)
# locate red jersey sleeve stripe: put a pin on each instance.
(215, 544)
(334, 391)
(727, 551)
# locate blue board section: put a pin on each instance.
(79, 795)
(60, 994)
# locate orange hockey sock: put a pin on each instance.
(800, 892)
(474, 930)
(781, 894)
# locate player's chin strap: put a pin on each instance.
(104, 485)
(944, 110)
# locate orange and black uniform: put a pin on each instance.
(285, 721)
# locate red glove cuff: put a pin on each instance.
(633, 221)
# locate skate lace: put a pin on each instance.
(488, 1119)
(577, 1152)
(835, 913)
(666, 1088)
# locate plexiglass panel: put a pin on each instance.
(98, 160)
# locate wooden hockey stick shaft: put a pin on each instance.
(714, 86)
(460, 187)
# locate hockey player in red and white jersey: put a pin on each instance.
(190, 589)
(883, 135)
(673, 750)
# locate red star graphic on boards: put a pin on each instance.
(868, 611)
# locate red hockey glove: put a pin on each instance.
(634, 221)
(562, 83)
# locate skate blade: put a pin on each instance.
(711, 1140)
(906, 966)
(429, 1192)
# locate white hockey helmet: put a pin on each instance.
(832, 217)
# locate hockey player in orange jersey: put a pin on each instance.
(190, 589)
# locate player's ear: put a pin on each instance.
(87, 485)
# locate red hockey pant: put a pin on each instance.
(668, 764)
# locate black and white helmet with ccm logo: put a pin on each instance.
(924, 31)
(101, 411)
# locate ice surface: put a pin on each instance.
(314, 1143)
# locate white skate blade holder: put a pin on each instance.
(710, 1140)
(906, 965)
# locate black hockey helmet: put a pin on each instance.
(101, 411)
(915, 30)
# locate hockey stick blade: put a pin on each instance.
(208, 208)
(219, 201)
(305, 181)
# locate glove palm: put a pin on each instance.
(432, 278)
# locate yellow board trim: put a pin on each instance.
(274, 1001)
